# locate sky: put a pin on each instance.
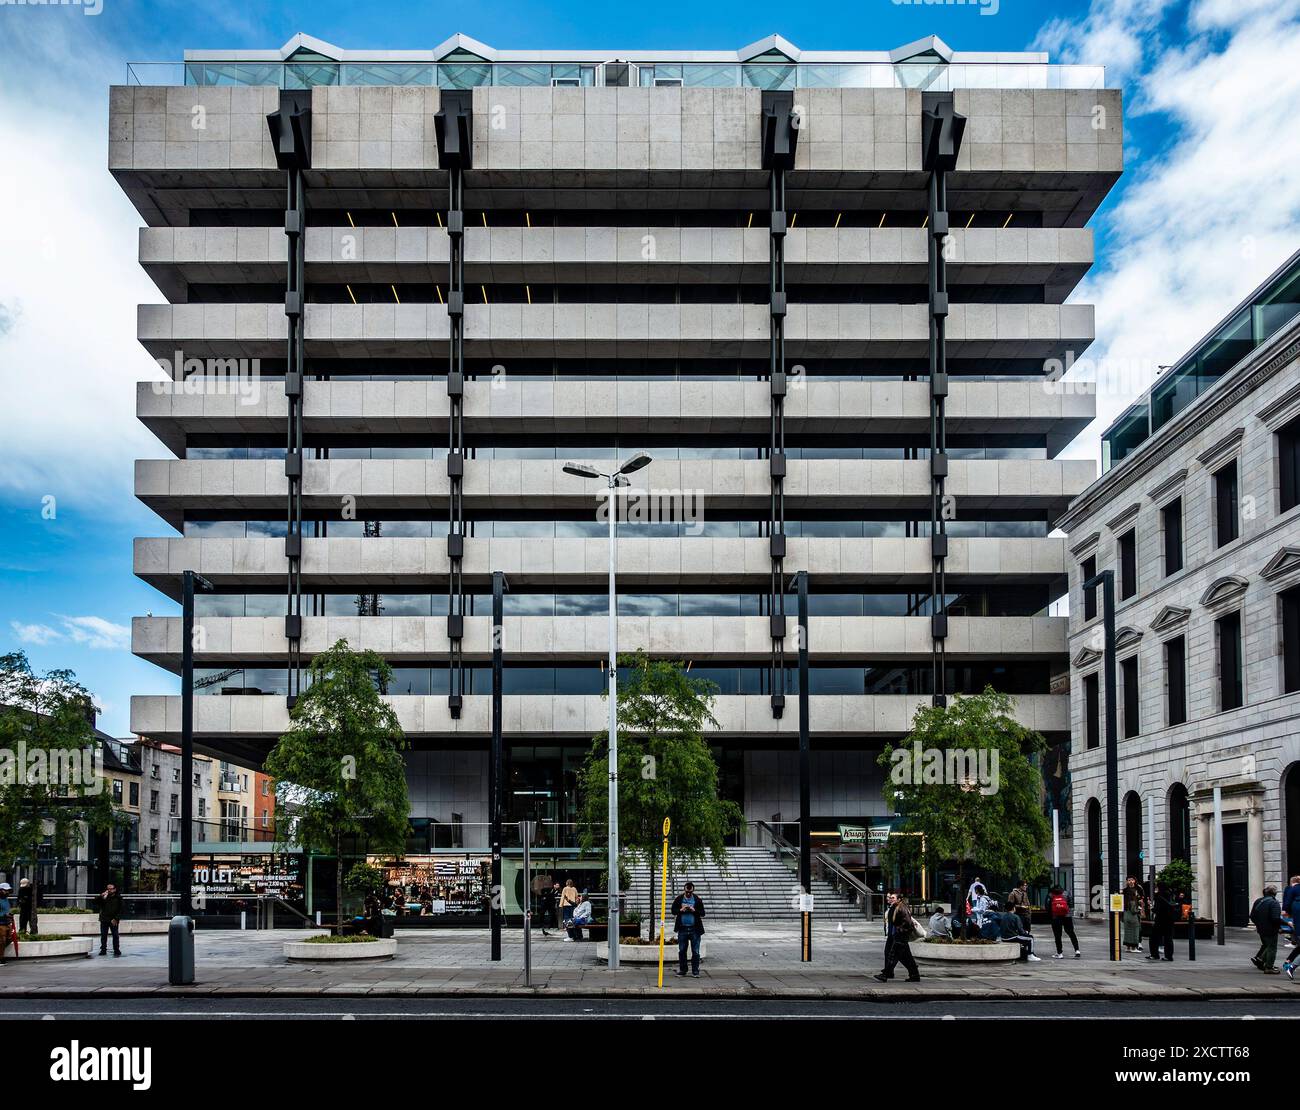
(1208, 206)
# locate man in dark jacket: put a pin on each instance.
(26, 907)
(1163, 912)
(109, 905)
(1266, 915)
(688, 912)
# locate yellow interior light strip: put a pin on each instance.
(351, 220)
(1009, 215)
(838, 217)
(882, 220)
(394, 215)
(351, 294)
(395, 296)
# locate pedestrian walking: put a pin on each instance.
(688, 920)
(1266, 915)
(568, 903)
(1018, 903)
(26, 907)
(900, 931)
(1163, 912)
(109, 905)
(6, 918)
(1291, 907)
(1058, 906)
(1131, 919)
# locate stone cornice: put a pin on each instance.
(1282, 411)
(1165, 489)
(1086, 544)
(1213, 456)
(1123, 518)
(1127, 637)
(1282, 350)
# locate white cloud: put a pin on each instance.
(70, 282)
(36, 634)
(1209, 212)
(96, 632)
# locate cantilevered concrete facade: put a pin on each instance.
(616, 260)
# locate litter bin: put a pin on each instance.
(180, 951)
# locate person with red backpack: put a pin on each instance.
(1058, 906)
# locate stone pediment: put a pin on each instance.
(1085, 657)
(1283, 565)
(1127, 637)
(1169, 618)
(1223, 591)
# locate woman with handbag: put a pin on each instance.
(900, 930)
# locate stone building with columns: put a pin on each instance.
(1198, 515)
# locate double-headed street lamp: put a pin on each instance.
(614, 479)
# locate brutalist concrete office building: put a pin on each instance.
(459, 268)
(1198, 516)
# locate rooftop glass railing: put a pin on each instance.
(1268, 310)
(930, 76)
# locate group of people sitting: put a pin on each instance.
(984, 920)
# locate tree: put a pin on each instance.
(665, 769)
(967, 780)
(49, 780)
(339, 770)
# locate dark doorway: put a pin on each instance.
(1094, 850)
(1133, 837)
(1180, 824)
(1236, 874)
(1291, 815)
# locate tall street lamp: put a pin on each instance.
(614, 480)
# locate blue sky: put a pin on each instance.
(1209, 204)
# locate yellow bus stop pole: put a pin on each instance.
(663, 903)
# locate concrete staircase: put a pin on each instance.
(756, 886)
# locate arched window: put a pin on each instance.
(1291, 819)
(1133, 837)
(1180, 824)
(1093, 813)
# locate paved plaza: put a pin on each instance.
(744, 960)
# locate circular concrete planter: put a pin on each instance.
(372, 950)
(87, 925)
(997, 952)
(648, 953)
(76, 948)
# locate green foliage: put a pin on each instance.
(49, 713)
(332, 938)
(339, 770)
(1177, 875)
(363, 878)
(665, 769)
(1004, 830)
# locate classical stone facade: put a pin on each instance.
(1207, 501)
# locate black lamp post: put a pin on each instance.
(1106, 579)
(189, 580)
(496, 904)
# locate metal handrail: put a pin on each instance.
(863, 896)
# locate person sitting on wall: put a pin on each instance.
(940, 924)
(581, 917)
